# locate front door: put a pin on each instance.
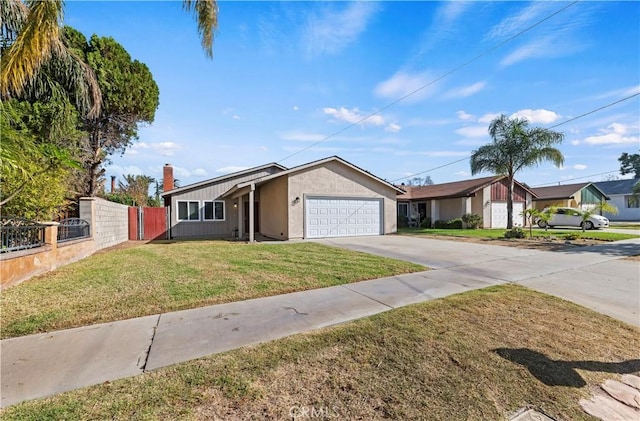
(256, 220)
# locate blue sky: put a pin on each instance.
(286, 75)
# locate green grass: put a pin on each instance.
(160, 277)
(539, 233)
(474, 356)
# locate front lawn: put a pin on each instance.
(160, 277)
(475, 356)
(493, 234)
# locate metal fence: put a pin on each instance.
(19, 234)
(73, 229)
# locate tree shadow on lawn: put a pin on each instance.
(562, 373)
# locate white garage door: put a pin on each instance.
(339, 217)
(499, 214)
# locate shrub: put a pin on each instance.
(515, 232)
(471, 220)
(403, 221)
(425, 223)
(451, 224)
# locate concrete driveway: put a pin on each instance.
(595, 276)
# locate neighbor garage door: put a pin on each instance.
(499, 214)
(340, 217)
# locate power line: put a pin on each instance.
(596, 110)
(437, 79)
(576, 178)
(557, 125)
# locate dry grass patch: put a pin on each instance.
(477, 356)
(167, 276)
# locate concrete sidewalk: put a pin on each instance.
(45, 364)
(41, 365)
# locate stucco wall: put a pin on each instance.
(109, 221)
(19, 266)
(624, 213)
(450, 208)
(541, 204)
(274, 208)
(339, 180)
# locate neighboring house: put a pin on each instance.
(580, 196)
(621, 196)
(326, 198)
(486, 197)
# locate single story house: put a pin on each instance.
(580, 196)
(620, 193)
(486, 197)
(326, 198)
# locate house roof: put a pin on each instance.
(464, 188)
(222, 178)
(618, 186)
(303, 167)
(564, 191)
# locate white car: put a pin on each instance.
(570, 217)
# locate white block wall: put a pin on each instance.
(109, 221)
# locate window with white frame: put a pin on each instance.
(188, 210)
(214, 210)
(403, 209)
(632, 201)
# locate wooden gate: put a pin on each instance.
(147, 223)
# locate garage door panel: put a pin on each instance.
(337, 217)
(499, 214)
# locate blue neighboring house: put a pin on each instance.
(621, 195)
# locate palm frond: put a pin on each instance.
(38, 37)
(206, 12)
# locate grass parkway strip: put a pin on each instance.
(480, 355)
(161, 277)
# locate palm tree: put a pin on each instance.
(594, 210)
(515, 146)
(30, 33)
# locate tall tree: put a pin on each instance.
(419, 181)
(630, 163)
(129, 98)
(515, 146)
(31, 32)
(136, 187)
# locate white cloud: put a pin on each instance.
(579, 167)
(402, 84)
(473, 131)
(512, 24)
(614, 134)
(200, 172)
(129, 169)
(464, 116)
(575, 142)
(537, 116)
(354, 116)
(295, 108)
(302, 137)
(462, 173)
(330, 31)
(165, 148)
(488, 118)
(393, 128)
(236, 117)
(229, 169)
(465, 91)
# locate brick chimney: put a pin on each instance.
(167, 181)
(113, 184)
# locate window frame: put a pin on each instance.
(214, 219)
(631, 201)
(188, 202)
(407, 208)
